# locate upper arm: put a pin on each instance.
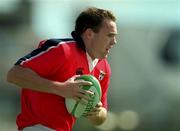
(15, 72)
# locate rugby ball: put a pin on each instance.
(76, 108)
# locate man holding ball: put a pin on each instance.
(47, 74)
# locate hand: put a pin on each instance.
(95, 112)
(72, 89)
(97, 115)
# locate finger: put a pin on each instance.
(87, 95)
(77, 99)
(82, 95)
(86, 92)
(92, 114)
(95, 109)
(91, 93)
(99, 104)
(74, 77)
(83, 82)
(83, 101)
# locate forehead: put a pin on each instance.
(109, 26)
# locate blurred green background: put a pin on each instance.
(144, 93)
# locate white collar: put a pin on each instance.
(91, 63)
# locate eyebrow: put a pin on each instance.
(112, 33)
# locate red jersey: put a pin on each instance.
(57, 60)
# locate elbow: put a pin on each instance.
(11, 75)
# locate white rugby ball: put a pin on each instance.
(76, 108)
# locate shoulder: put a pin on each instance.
(63, 45)
(66, 47)
(105, 65)
(56, 42)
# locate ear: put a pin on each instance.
(89, 33)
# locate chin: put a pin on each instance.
(103, 57)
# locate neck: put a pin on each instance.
(87, 48)
(92, 57)
(78, 39)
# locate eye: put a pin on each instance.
(111, 35)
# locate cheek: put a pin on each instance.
(101, 44)
(106, 42)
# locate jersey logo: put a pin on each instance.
(79, 71)
(101, 75)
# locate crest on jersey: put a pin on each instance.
(101, 75)
(79, 71)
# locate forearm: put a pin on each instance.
(24, 77)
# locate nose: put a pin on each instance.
(113, 42)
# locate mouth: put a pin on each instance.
(108, 49)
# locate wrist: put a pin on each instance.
(56, 87)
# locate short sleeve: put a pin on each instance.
(44, 60)
(103, 74)
(105, 85)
